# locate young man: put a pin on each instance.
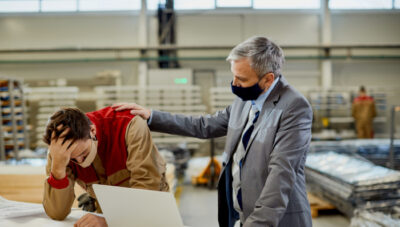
(100, 147)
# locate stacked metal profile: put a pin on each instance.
(349, 182)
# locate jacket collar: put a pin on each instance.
(268, 106)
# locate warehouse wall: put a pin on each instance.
(205, 28)
(366, 28)
(119, 30)
(47, 31)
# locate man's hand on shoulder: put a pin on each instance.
(91, 220)
(134, 108)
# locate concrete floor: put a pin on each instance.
(198, 207)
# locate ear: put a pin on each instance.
(93, 129)
(269, 78)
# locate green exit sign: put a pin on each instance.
(180, 81)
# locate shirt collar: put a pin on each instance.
(259, 102)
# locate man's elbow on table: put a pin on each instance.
(55, 213)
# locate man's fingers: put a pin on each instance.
(59, 127)
(77, 223)
(81, 220)
(66, 145)
(137, 112)
(71, 147)
(121, 108)
(141, 113)
(64, 133)
(88, 220)
(119, 104)
(53, 135)
(127, 106)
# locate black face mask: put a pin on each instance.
(247, 93)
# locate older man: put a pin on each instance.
(268, 132)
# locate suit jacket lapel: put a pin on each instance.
(236, 137)
(266, 110)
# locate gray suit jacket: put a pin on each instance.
(272, 175)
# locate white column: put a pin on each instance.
(142, 31)
(326, 38)
(142, 69)
(326, 70)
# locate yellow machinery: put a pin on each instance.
(209, 176)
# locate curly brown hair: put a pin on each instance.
(72, 118)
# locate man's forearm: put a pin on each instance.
(207, 126)
(58, 192)
(58, 172)
(57, 200)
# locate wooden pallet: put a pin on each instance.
(317, 204)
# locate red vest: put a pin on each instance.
(110, 133)
(363, 98)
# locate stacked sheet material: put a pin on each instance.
(375, 150)
(373, 219)
(349, 182)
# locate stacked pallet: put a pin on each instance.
(220, 98)
(317, 204)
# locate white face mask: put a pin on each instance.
(92, 154)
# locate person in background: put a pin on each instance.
(100, 147)
(268, 129)
(364, 111)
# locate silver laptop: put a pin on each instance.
(135, 207)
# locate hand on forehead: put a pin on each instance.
(80, 148)
(60, 132)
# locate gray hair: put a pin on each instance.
(264, 55)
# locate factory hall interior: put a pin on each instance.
(206, 113)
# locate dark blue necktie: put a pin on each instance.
(247, 134)
(245, 141)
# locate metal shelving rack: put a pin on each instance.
(13, 130)
(175, 99)
(48, 100)
(335, 106)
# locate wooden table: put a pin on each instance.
(25, 183)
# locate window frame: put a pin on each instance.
(216, 10)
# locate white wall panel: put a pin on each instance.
(368, 28)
